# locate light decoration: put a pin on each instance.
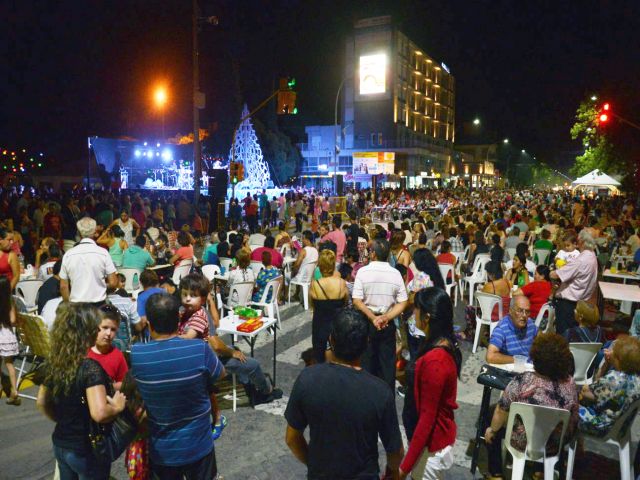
(247, 150)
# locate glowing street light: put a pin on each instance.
(160, 97)
(593, 98)
(506, 140)
(523, 150)
(476, 121)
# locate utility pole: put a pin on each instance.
(335, 135)
(197, 98)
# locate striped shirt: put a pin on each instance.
(175, 377)
(379, 286)
(197, 321)
(512, 341)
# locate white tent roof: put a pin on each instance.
(595, 178)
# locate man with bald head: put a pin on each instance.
(514, 334)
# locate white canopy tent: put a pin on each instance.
(595, 181)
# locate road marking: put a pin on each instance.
(292, 355)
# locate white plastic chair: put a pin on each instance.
(28, 291)
(539, 424)
(271, 306)
(257, 240)
(541, 256)
(478, 276)
(209, 271)
(550, 312)
(511, 252)
(256, 266)
(226, 263)
(486, 303)
(583, 356)
(620, 436)
(446, 270)
(182, 270)
(239, 296)
(131, 279)
(303, 279)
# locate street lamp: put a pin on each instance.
(523, 150)
(160, 98)
(506, 140)
(476, 121)
(593, 98)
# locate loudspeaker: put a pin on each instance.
(218, 182)
(340, 185)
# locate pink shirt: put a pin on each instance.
(276, 257)
(579, 277)
(338, 237)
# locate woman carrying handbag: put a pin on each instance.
(78, 396)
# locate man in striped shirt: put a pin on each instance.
(175, 377)
(379, 292)
(514, 334)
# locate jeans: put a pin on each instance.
(565, 314)
(203, 469)
(249, 371)
(379, 358)
(74, 465)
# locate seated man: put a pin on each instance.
(269, 244)
(136, 256)
(514, 334)
(50, 288)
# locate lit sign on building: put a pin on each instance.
(373, 71)
(373, 163)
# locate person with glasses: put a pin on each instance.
(514, 334)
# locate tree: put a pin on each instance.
(599, 152)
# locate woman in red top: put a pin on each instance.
(185, 251)
(433, 401)
(537, 291)
(9, 264)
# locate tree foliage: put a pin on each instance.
(599, 152)
(282, 156)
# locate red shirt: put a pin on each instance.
(276, 257)
(538, 293)
(113, 363)
(448, 258)
(198, 321)
(435, 390)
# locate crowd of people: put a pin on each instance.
(382, 279)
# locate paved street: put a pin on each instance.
(252, 446)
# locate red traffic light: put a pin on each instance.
(604, 118)
(605, 107)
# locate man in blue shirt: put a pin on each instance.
(136, 256)
(150, 283)
(514, 334)
(176, 377)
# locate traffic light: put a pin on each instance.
(233, 172)
(287, 97)
(240, 170)
(603, 117)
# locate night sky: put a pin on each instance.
(86, 68)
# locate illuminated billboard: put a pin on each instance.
(373, 163)
(373, 73)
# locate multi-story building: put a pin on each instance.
(398, 111)
(398, 99)
(478, 164)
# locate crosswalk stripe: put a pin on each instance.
(292, 355)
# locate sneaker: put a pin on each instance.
(219, 427)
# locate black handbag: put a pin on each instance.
(109, 440)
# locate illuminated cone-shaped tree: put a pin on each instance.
(248, 151)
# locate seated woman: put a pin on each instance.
(496, 285)
(550, 384)
(537, 291)
(588, 330)
(185, 251)
(604, 400)
(517, 274)
(268, 273)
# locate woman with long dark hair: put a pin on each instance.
(428, 410)
(77, 390)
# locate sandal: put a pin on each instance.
(17, 401)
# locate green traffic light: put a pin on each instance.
(295, 110)
(235, 180)
(292, 83)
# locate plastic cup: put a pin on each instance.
(614, 269)
(519, 363)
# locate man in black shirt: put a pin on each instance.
(346, 408)
(50, 288)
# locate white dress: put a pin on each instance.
(8, 342)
